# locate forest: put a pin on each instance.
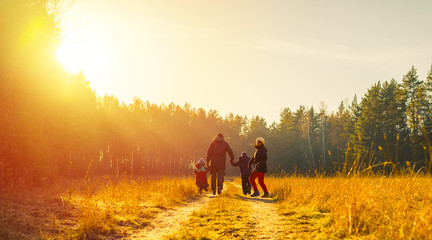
(53, 125)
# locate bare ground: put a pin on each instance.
(170, 220)
(267, 220)
(269, 224)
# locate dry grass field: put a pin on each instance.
(364, 207)
(300, 208)
(99, 209)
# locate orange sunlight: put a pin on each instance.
(85, 53)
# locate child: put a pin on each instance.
(243, 163)
(201, 175)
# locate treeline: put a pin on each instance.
(388, 131)
(52, 124)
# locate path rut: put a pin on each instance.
(170, 221)
(269, 224)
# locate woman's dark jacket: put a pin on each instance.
(259, 159)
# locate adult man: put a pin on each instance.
(216, 158)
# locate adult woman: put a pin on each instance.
(260, 161)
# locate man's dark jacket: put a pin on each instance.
(216, 153)
(259, 159)
(243, 163)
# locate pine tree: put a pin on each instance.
(413, 90)
(426, 119)
(394, 128)
(411, 85)
(339, 135)
(285, 137)
(367, 131)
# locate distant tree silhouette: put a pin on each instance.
(53, 125)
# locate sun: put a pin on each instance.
(84, 48)
(82, 55)
(89, 55)
(71, 56)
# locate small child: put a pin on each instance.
(245, 170)
(201, 175)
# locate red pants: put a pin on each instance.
(260, 177)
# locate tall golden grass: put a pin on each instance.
(370, 207)
(91, 209)
(117, 208)
(357, 207)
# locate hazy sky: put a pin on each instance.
(247, 57)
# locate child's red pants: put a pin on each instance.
(260, 177)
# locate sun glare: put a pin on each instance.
(82, 56)
(84, 48)
(70, 57)
(88, 55)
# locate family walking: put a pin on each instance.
(216, 164)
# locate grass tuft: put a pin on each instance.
(376, 207)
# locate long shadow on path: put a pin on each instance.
(263, 200)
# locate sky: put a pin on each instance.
(245, 57)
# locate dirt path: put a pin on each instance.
(170, 221)
(269, 224)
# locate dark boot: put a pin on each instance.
(214, 192)
(219, 191)
(266, 195)
(200, 191)
(255, 194)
